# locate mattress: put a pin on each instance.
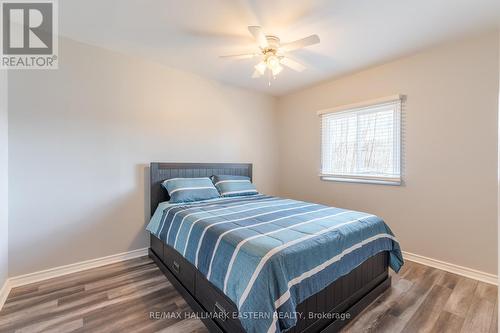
(268, 254)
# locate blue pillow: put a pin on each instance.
(230, 186)
(190, 189)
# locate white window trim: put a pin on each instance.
(362, 179)
(387, 99)
(397, 181)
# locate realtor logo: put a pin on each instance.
(29, 34)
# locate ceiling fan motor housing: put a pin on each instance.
(273, 43)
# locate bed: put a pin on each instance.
(266, 264)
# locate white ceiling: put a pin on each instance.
(191, 34)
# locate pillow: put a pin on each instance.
(190, 189)
(230, 186)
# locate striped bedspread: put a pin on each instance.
(268, 254)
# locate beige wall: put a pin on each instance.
(4, 265)
(81, 137)
(447, 207)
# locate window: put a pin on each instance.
(362, 142)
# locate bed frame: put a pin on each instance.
(347, 296)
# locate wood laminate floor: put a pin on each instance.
(124, 297)
(425, 299)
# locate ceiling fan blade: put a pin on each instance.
(239, 56)
(292, 64)
(298, 44)
(259, 36)
(256, 74)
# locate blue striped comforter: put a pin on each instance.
(268, 254)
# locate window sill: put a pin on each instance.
(393, 182)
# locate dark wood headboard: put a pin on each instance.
(162, 171)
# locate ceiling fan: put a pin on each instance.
(272, 53)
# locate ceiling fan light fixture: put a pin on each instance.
(272, 62)
(277, 69)
(261, 67)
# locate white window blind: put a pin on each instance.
(362, 142)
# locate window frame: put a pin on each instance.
(366, 179)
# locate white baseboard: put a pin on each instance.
(452, 268)
(4, 292)
(22, 280)
(25, 279)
